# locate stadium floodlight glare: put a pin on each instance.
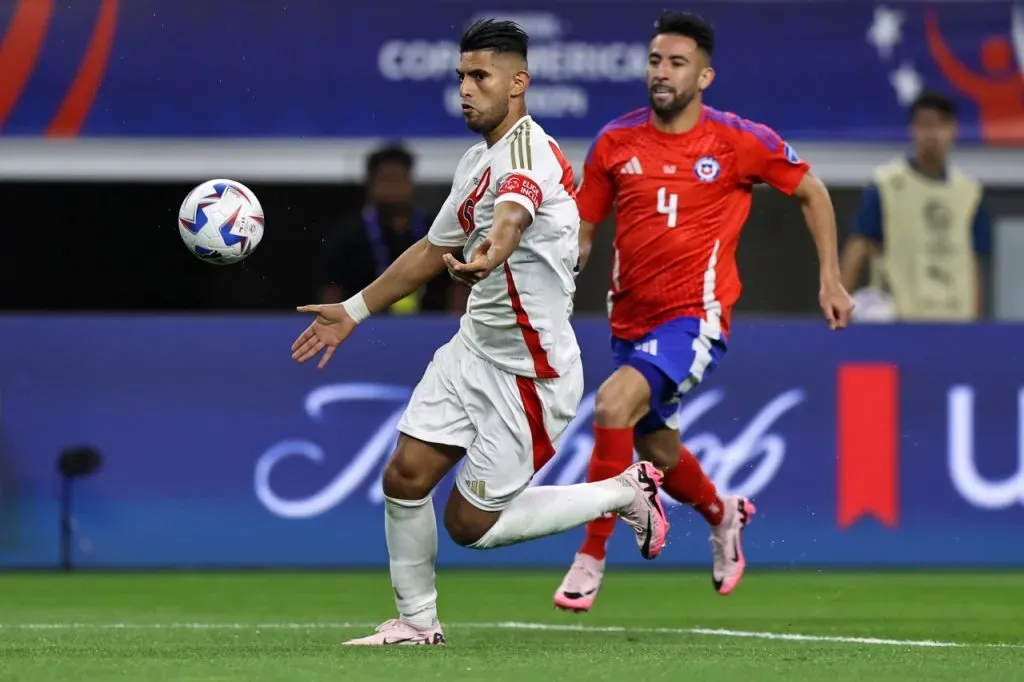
(74, 462)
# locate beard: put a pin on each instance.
(672, 109)
(484, 122)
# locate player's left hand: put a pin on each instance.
(474, 270)
(836, 303)
(330, 328)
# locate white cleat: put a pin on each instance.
(727, 544)
(394, 632)
(581, 584)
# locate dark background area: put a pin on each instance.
(115, 246)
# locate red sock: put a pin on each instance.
(687, 483)
(613, 452)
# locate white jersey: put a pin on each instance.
(518, 316)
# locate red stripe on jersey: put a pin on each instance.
(524, 186)
(543, 449)
(467, 210)
(542, 368)
(568, 181)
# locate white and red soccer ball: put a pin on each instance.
(221, 221)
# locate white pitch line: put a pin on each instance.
(514, 625)
(748, 634)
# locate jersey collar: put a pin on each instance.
(515, 126)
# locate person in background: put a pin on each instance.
(364, 245)
(922, 227)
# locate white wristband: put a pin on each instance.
(356, 308)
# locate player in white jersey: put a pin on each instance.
(498, 395)
(519, 320)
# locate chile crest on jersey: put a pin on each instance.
(707, 169)
(467, 209)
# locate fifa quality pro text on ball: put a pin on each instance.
(221, 221)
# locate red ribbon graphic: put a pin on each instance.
(867, 464)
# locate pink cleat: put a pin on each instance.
(727, 546)
(396, 632)
(581, 584)
(645, 513)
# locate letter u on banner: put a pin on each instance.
(867, 466)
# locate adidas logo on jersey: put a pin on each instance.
(632, 167)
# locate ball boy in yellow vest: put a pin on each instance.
(922, 226)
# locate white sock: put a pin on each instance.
(411, 531)
(550, 509)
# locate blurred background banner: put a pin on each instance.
(885, 445)
(830, 71)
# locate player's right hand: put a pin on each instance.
(836, 304)
(330, 328)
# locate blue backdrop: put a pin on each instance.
(880, 445)
(822, 70)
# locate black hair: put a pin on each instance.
(503, 37)
(689, 25)
(393, 153)
(931, 100)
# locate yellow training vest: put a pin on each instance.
(928, 246)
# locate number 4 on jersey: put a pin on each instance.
(668, 205)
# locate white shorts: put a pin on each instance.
(509, 425)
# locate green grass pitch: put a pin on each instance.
(501, 627)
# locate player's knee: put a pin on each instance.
(621, 400)
(611, 411)
(403, 480)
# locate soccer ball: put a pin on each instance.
(221, 221)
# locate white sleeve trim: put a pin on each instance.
(519, 199)
(446, 243)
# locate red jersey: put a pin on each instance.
(680, 203)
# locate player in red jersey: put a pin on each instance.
(680, 176)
